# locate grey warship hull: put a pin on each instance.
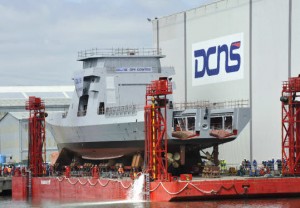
(114, 140)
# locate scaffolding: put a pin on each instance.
(291, 127)
(156, 129)
(36, 135)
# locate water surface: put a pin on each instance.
(6, 201)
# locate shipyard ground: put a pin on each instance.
(81, 189)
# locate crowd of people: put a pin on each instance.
(85, 170)
(98, 171)
(11, 170)
(119, 171)
(255, 169)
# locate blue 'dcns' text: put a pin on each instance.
(218, 60)
(231, 52)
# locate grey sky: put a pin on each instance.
(39, 39)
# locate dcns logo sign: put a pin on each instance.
(218, 60)
(217, 50)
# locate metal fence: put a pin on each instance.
(212, 105)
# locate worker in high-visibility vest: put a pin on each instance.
(134, 173)
(92, 170)
(95, 173)
(17, 172)
(9, 170)
(23, 171)
(5, 171)
(223, 165)
(121, 171)
(68, 172)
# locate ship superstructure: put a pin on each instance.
(106, 111)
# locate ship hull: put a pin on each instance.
(117, 140)
(104, 137)
(107, 150)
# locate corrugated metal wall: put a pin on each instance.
(171, 40)
(266, 41)
(9, 138)
(14, 139)
(269, 68)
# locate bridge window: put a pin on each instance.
(191, 123)
(228, 122)
(184, 124)
(180, 124)
(83, 104)
(101, 109)
(216, 123)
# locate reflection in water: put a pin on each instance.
(111, 204)
(232, 203)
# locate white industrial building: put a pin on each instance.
(14, 117)
(14, 137)
(260, 39)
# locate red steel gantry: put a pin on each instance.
(291, 127)
(36, 135)
(156, 144)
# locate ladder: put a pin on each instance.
(29, 184)
(147, 187)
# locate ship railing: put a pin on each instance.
(121, 110)
(119, 52)
(212, 105)
(293, 85)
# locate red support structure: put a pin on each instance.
(36, 135)
(291, 127)
(156, 144)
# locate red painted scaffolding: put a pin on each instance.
(291, 127)
(156, 144)
(36, 135)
